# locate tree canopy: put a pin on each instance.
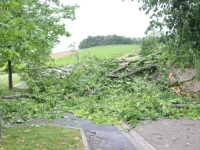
(182, 20)
(30, 29)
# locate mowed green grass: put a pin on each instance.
(40, 137)
(4, 79)
(103, 52)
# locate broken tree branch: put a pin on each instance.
(22, 96)
(136, 71)
(142, 69)
(138, 61)
(28, 96)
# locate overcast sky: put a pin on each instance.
(104, 17)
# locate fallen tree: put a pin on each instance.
(104, 91)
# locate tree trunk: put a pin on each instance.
(10, 83)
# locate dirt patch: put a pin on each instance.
(61, 54)
(126, 57)
(132, 58)
(180, 76)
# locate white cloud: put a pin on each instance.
(103, 17)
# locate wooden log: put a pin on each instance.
(23, 96)
(185, 106)
(139, 61)
(141, 69)
(136, 71)
(112, 76)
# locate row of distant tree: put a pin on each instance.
(92, 41)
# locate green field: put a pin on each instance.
(4, 79)
(110, 51)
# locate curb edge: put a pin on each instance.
(84, 139)
(18, 84)
(139, 142)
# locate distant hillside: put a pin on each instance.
(109, 51)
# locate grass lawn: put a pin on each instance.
(1, 69)
(110, 51)
(42, 137)
(4, 80)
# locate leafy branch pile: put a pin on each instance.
(104, 91)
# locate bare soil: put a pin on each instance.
(188, 74)
(61, 54)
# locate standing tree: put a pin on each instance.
(30, 29)
(182, 19)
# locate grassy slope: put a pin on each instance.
(110, 51)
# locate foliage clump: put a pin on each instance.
(181, 21)
(153, 43)
(29, 31)
(149, 45)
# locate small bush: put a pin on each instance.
(149, 45)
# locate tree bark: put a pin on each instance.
(10, 82)
(138, 70)
(138, 61)
(142, 69)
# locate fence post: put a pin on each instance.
(0, 127)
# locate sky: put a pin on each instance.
(103, 17)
